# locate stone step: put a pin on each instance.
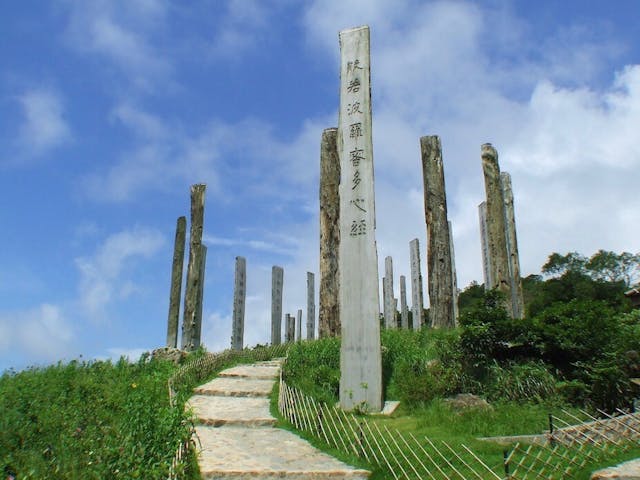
(276, 362)
(221, 410)
(237, 387)
(625, 471)
(266, 454)
(252, 371)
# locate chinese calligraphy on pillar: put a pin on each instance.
(360, 361)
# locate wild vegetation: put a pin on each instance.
(577, 348)
(96, 420)
(579, 344)
(90, 420)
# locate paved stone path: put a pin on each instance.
(625, 471)
(237, 438)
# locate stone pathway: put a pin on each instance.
(237, 438)
(625, 471)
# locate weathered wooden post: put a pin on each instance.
(441, 313)
(299, 326)
(329, 314)
(287, 327)
(239, 297)
(360, 354)
(404, 310)
(484, 243)
(512, 247)
(417, 302)
(176, 283)
(290, 328)
(189, 327)
(277, 277)
(388, 299)
(197, 331)
(496, 228)
(454, 275)
(385, 303)
(311, 306)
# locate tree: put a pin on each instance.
(558, 265)
(577, 331)
(614, 267)
(471, 297)
(603, 265)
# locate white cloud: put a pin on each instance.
(216, 331)
(566, 128)
(44, 126)
(239, 28)
(122, 32)
(104, 277)
(141, 123)
(280, 245)
(43, 332)
(233, 159)
(162, 158)
(137, 172)
(569, 146)
(130, 354)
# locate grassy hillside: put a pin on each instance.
(423, 368)
(89, 420)
(99, 420)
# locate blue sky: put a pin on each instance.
(110, 110)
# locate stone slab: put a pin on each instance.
(389, 407)
(360, 355)
(541, 439)
(265, 453)
(218, 410)
(237, 387)
(252, 371)
(625, 471)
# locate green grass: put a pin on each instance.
(348, 458)
(95, 420)
(98, 420)
(89, 420)
(422, 368)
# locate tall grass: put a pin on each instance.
(90, 420)
(100, 419)
(421, 369)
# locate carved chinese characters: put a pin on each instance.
(360, 360)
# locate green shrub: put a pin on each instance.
(608, 382)
(573, 391)
(577, 331)
(531, 381)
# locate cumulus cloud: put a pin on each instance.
(216, 331)
(44, 333)
(130, 354)
(161, 157)
(240, 27)
(44, 126)
(105, 276)
(567, 144)
(244, 158)
(122, 33)
(278, 246)
(438, 68)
